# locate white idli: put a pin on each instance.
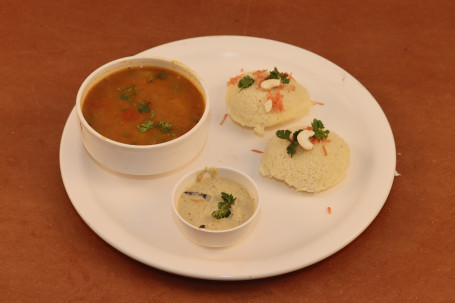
(259, 107)
(314, 170)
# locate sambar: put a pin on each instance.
(143, 105)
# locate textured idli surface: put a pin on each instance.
(312, 170)
(247, 106)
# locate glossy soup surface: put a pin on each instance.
(143, 105)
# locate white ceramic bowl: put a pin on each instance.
(216, 238)
(143, 159)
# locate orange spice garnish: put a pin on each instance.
(277, 99)
(314, 139)
(259, 77)
(224, 119)
(234, 80)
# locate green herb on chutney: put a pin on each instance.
(224, 208)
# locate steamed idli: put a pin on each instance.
(262, 98)
(313, 170)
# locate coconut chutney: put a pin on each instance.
(200, 199)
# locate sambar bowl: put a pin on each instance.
(149, 159)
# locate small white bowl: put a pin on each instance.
(216, 238)
(143, 159)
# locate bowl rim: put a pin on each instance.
(210, 231)
(125, 60)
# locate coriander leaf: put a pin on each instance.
(283, 134)
(275, 74)
(245, 82)
(165, 127)
(145, 126)
(318, 128)
(292, 148)
(285, 79)
(127, 93)
(161, 75)
(224, 208)
(221, 213)
(293, 143)
(296, 133)
(143, 107)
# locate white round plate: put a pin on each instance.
(133, 214)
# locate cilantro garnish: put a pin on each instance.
(286, 135)
(319, 133)
(161, 75)
(224, 208)
(245, 82)
(318, 128)
(145, 126)
(275, 74)
(165, 127)
(127, 92)
(143, 107)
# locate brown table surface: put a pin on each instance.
(402, 51)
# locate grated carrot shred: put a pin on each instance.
(224, 119)
(259, 72)
(314, 139)
(325, 150)
(317, 102)
(234, 80)
(277, 99)
(260, 77)
(257, 151)
(329, 210)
